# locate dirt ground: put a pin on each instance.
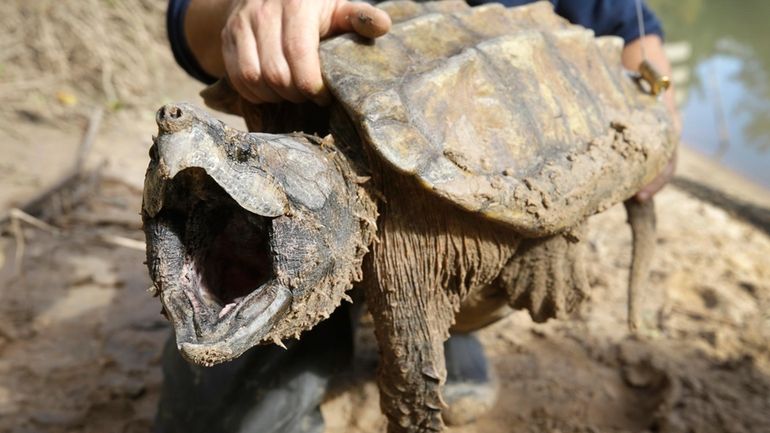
(80, 337)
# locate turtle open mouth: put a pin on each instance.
(251, 237)
(227, 254)
(212, 261)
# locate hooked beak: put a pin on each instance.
(190, 139)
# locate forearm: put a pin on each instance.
(203, 24)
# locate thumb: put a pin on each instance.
(362, 18)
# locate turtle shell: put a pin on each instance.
(511, 113)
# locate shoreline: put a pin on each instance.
(707, 180)
(694, 166)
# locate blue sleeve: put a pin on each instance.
(604, 17)
(610, 17)
(176, 37)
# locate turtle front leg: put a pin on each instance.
(412, 368)
(547, 275)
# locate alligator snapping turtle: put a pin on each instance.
(466, 149)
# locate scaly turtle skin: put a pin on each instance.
(466, 148)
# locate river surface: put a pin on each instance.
(720, 51)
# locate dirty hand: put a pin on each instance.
(270, 47)
(649, 190)
(665, 176)
(632, 57)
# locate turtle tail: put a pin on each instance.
(641, 218)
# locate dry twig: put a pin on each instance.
(18, 235)
(71, 176)
(124, 242)
(17, 216)
(20, 215)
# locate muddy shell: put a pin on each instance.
(542, 126)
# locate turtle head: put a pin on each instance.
(250, 237)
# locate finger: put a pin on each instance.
(244, 70)
(230, 35)
(275, 71)
(659, 182)
(362, 18)
(251, 69)
(300, 43)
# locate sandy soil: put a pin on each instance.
(80, 338)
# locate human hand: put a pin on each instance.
(633, 54)
(652, 188)
(649, 190)
(270, 47)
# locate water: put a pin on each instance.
(720, 50)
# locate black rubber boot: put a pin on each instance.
(470, 389)
(266, 390)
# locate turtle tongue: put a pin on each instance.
(229, 307)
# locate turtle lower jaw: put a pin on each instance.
(208, 337)
(221, 296)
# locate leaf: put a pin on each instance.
(66, 98)
(115, 105)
